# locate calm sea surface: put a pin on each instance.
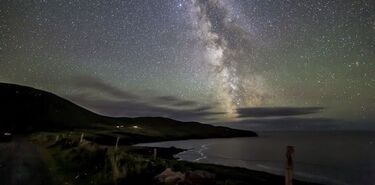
(336, 158)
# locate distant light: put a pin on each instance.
(119, 126)
(7, 134)
(135, 126)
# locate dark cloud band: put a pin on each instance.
(276, 111)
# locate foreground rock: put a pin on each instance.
(198, 177)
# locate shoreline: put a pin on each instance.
(171, 152)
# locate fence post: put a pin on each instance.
(57, 138)
(289, 165)
(155, 153)
(82, 135)
(117, 140)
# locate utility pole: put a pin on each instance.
(289, 165)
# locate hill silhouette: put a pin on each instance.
(25, 109)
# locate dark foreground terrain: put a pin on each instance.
(74, 157)
(21, 163)
(44, 160)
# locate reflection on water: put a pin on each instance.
(337, 158)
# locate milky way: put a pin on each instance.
(224, 44)
(196, 60)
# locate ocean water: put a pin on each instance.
(333, 158)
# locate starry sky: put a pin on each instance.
(200, 60)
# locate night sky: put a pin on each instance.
(210, 61)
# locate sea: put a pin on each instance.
(327, 157)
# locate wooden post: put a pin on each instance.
(289, 165)
(155, 153)
(82, 135)
(57, 138)
(117, 140)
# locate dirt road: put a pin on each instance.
(21, 163)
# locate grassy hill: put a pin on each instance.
(26, 110)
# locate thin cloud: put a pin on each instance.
(97, 85)
(276, 111)
(174, 101)
(108, 100)
(289, 124)
(139, 109)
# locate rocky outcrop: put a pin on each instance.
(198, 177)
